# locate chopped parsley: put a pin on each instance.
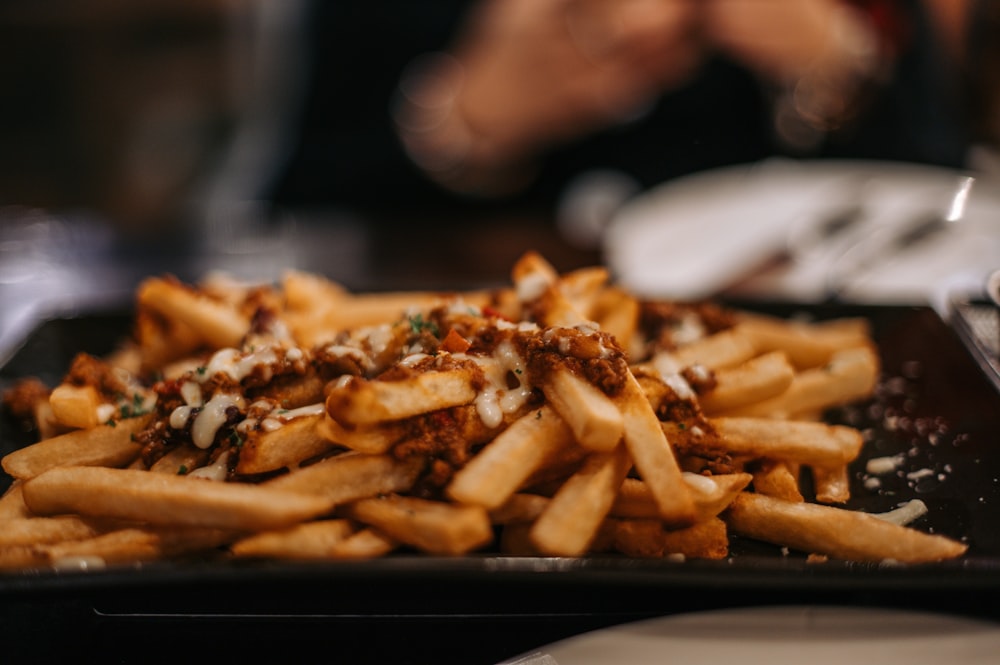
(418, 324)
(135, 408)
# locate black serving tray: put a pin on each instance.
(935, 404)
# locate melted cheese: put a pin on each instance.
(217, 470)
(238, 366)
(497, 397)
(211, 417)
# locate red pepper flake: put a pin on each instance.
(493, 313)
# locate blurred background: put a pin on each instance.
(393, 144)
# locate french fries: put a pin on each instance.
(559, 416)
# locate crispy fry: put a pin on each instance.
(373, 439)
(180, 460)
(708, 539)
(757, 379)
(217, 324)
(831, 483)
(40, 530)
(103, 445)
(571, 520)
(653, 457)
(522, 507)
(646, 538)
(835, 532)
(777, 479)
(351, 476)
(294, 441)
(616, 311)
(507, 462)
(312, 540)
(804, 442)
(593, 417)
(365, 543)
(726, 348)
(159, 498)
(134, 544)
(806, 344)
(12, 503)
(75, 406)
(430, 526)
(360, 402)
(851, 374)
(711, 494)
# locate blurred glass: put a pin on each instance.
(126, 109)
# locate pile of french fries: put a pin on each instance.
(559, 415)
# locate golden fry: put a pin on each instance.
(159, 498)
(835, 532)
(104, 445)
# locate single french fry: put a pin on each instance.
(161, 340)
(617, 312)
(430, 526)
(163, 499)
(537, 282)
(653, 456)
(798, 441)
(12, 503)
(135, 544)
(711, 495)
(835, 532)
(179, 460)
(572, 518)
(807, 344)
(726, 348)
(582, 288)
(532, 275)
(515, 540)
(360, 402)
(851, 374)
(311, 540)
(637, 538)
(351, 476)
(708, 539)
(218, 324)
(521, 507)
(759, 378)
(645, 538)
(594, 418)
(75, 406)
(506, 463)
(104, 445)
(46, 422)
(365, 543)
(293, 442)
(373, 439)
(38, 530)
(776, 478)
(306, 290)
(832, 484)
(22, 557)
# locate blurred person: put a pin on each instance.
(450, 104)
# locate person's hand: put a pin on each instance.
(782, 41)
(539, 71)
(527, 74)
